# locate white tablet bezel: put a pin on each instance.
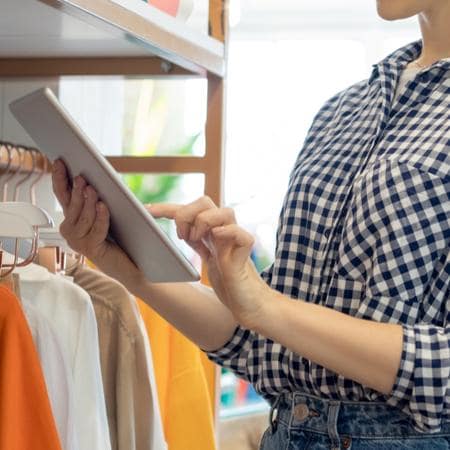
(59, 137)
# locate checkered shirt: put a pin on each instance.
(365, 230)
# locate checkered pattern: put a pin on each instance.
(365, 229)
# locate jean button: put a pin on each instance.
(346, 442)
(301, 412)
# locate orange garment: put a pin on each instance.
(26, 419)
(183, 390)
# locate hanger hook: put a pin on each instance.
(12, 170)
(10, 266)
(8, 166)
(28, 174)
(41, 173)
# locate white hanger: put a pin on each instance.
(34, 215)
(53, 237)
(15, 226)
(21, 220)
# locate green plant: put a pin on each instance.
(162, 186)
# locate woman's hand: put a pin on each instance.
(86, 224)
(225, 249)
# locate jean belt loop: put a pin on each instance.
(274, 414)
(333, 412)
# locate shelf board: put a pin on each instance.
(34, 29)
(158, 164)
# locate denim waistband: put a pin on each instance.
(337, 417)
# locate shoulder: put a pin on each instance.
(343, 103)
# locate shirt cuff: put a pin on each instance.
(404, 383)
(232, 348)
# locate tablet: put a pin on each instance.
(132, 227)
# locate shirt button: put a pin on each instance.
(327, 232)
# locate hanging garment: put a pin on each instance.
(56, 374)
(182, 386)
(131, 397)
(26, 420)
(69, 310)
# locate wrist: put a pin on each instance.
(262, 298)
(115, 263)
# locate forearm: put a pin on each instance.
(193, 309)
(362, 350)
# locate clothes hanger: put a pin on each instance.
(33, 215)
(28, 175)
(11, 169)
(52, 255)
(8, 164)
(39, 177)
(16, 227)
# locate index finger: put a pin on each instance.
(165, 210)
(60, 184)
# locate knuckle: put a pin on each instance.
(178, 217)
(206, 200)
(202, 220)
(229, 212)
(84, 221)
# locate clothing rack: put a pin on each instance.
(22, 158)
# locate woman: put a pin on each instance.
(346, 333)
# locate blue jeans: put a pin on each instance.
(306, 422)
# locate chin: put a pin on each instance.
(399, 9)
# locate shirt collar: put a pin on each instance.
(400, 58)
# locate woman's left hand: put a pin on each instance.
(225, 248)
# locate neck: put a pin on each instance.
(434, 25)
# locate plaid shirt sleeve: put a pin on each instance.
(234, 354)
(397, 239)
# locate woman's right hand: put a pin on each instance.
(86, 224)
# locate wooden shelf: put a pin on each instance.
(34, 29)
(159, 164)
